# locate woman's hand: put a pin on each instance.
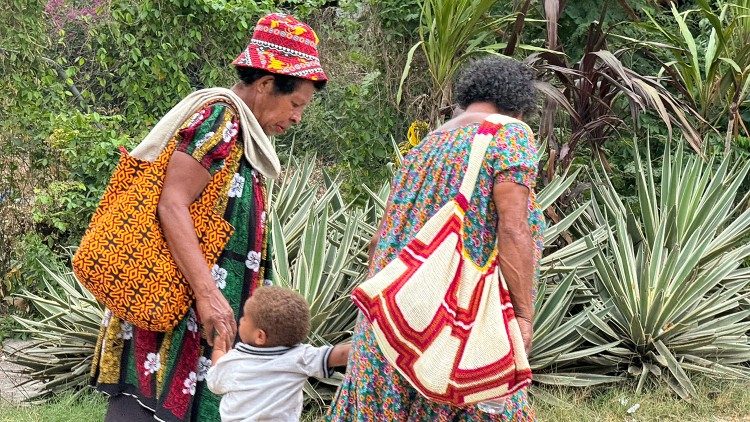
(221, 343)
(217, 318)
(527, 332)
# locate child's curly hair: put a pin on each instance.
(282, 313)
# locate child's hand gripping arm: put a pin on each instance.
(216, 378)
(220, 349)
(339, 356)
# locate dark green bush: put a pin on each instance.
(81, 153)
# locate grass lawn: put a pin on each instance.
(719, 402)
(86, 408)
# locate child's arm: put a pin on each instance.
(220, 349)
(319, 361)
(340, 354)
(219, 378)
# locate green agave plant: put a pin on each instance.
(317, 242)
(59, 358)
(672, 275)
(564, 305)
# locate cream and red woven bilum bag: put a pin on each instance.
(446, 324)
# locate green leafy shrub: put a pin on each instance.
(349, 127)
(399, 18)
(134, 69)
(32, 255)
(81, 152)
(708, 63)
(51, 190)
(350, 124)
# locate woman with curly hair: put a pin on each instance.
(502, 214)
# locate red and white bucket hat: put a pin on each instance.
(281, 44)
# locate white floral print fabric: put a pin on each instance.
(152, 363)
(220, 276)
(238, 184)
(253, 260)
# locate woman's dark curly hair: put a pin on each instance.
(504, 82)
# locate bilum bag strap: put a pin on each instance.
(479, 144)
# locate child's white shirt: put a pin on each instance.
(265, 383)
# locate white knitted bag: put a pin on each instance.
(446, 324)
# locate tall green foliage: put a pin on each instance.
(350, 123)
(712, 72)
(141, 73)
(450, 33)
(673, 272)
(591, 97)
(81, 154)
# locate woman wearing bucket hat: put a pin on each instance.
(212, 135)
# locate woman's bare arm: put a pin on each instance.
(340, 354)
(184, 181)
(516, 251)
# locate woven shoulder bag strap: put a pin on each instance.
(486, 131)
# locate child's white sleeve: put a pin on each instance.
(313, 361)
(219, 378)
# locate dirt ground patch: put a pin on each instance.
(9, 376)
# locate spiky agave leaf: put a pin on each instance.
(672, 272)
(317, 242)
(566, 311)
(59, 358)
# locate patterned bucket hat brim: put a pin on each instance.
(281, 44)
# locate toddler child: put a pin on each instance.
(261, 379)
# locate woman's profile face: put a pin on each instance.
(277, 112)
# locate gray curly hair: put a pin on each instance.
(502, 81)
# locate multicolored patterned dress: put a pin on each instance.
(430, 176)
(166, 372)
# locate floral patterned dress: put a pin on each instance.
(166, 372)
(430, 176)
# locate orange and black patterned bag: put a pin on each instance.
(123, 258)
